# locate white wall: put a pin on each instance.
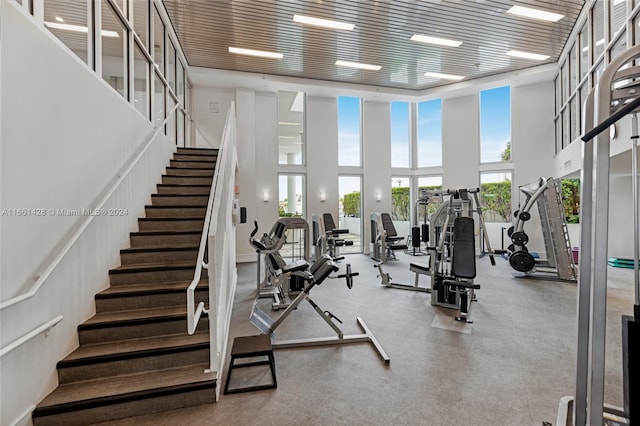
(322, 155)
(460, 142)
(533, 147)
(210, 108)
(377, 162)
(65, 135)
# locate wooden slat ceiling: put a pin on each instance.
(381, 37)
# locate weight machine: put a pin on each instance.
(615, 96)
(326, 237)
(384, 238)
(287, 230)
(312, 275)
(546, 193)
(452, 263)
(420, 234)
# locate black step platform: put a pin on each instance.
(249, 347)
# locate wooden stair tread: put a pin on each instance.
(149, 288)
(147, 267)
(138, 315)
(115, 389)
(87, 354)
(162, 206)
(182, 185)
(177, 218)
(160, 247)
(167, 232)
(193, 168)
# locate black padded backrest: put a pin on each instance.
(277, 262)
(318, 263)
(374, 230)
(324, 271)
(315, 231)
(280, 228)
(329, 224)
(464, 248)
(388, 226)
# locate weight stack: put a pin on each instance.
(631, 368)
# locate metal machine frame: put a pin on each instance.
(615, 96)
(275, 284)
(318, 272)
(546, 193)
(446, 290)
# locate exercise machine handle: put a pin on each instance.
(255, 229)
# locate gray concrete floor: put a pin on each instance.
(510, 367)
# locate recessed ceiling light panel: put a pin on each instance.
(258, 53)
(359, 65)
(443, 76)
(325, 23)
(435, 40)
(529, 12)
(79, 29)
(527, 55)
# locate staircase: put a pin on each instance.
(135, 356)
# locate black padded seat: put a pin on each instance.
(299, 265)
(419, 268)
(463, 284)
(392, 235)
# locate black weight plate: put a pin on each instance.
(525, 216)
(511, 247)
(522, 261)
(515, 214)
(519, 238)
(510, 231)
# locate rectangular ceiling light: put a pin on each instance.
(251, 52)
(79, 29)
(435, 40)
(527, 55)
(289, 123)
(359, 65)
(528, 12)
(325, 23)
(443, 76)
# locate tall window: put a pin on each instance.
(291, 200)
(495, 196)
(158, 101)
(291, 127)
(114, 50)
(400, 134)
(350, 211)
(401, 204)
(158, 40)
(61, 13)
(171, 66)
(495, 124)
(141, 81)
(349, 152)
(430, 133)
(141, 21)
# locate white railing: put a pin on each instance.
(218, 235)
(83, 223)
(44, 328)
